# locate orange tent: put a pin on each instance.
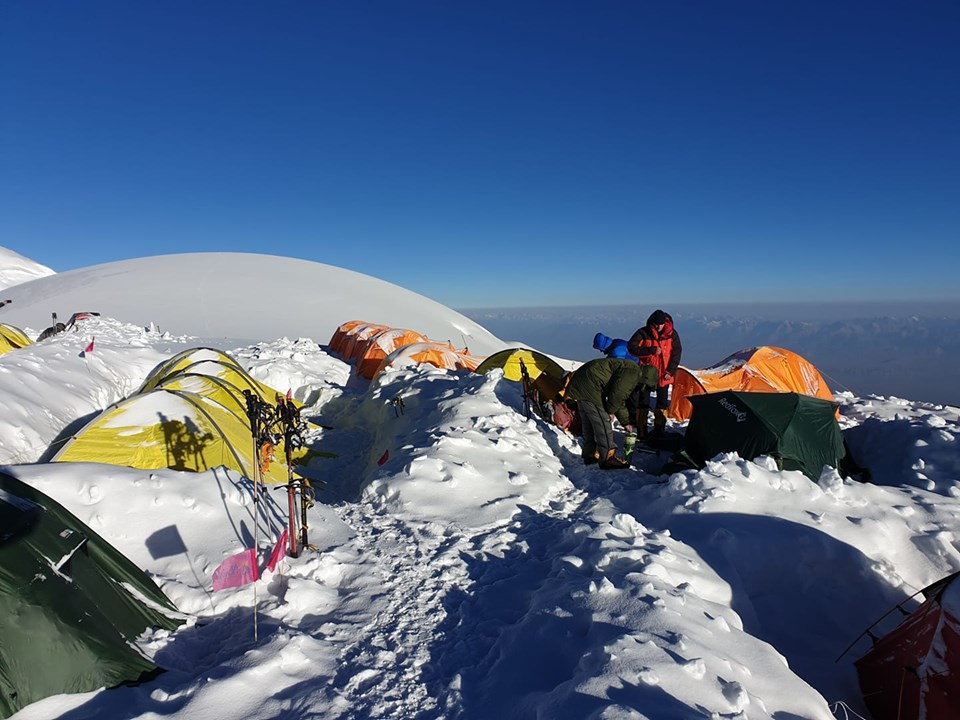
(759, 369)
(438, 354)
(353, 344)
(341, 334)
(378, 346)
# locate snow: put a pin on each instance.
(16, 269)
(240, 296)
(480, 571)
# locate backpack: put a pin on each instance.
(565, 417)
(545, 397)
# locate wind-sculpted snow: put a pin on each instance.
(469, 566)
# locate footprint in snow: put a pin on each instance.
(734, 693)
(515, 478)
(696, 667)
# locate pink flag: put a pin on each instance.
(384, 457)
(236, 570)
(289, 394)
(278, 551)
(89, 348)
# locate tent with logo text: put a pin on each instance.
(798, 431)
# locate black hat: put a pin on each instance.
(657, 317)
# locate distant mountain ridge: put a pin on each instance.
(912, 353)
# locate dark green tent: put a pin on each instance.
(800, 431)
(70, 603)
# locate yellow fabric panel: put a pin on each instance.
(216, 389)
(182, 360)
(215, 363)
(509, 360)
(12, 338)
(190, 433)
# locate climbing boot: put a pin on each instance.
(613, 462)
(659, 422)
(641, 422)
(589, 458)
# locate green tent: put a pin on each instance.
(70, 603)
(799, 431)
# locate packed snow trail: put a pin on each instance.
(459, 611)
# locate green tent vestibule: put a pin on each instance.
(799, 431)
(67, 617)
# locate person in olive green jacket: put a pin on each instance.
(600, 389)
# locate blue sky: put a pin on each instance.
(497, 153)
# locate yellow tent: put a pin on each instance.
(12, 338)
(169, 429)
(189, 414)
(758, 369)
(211, 362)
(511, 358)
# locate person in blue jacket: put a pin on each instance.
(618, 348)
(613, 347)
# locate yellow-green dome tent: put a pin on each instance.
(511, 358)
(12, 338)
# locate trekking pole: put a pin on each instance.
(253, 414)
(525, 382)
(289, 418)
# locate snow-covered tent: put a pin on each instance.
(189, 414)
(914, 672)
(758, 369)
(439, 355)
(71, 605)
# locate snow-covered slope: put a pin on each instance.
(239, 295)
(467, 564)
(16, 269)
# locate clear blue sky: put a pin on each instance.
(647, 152)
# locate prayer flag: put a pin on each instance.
(236, 570)
(278, 551)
